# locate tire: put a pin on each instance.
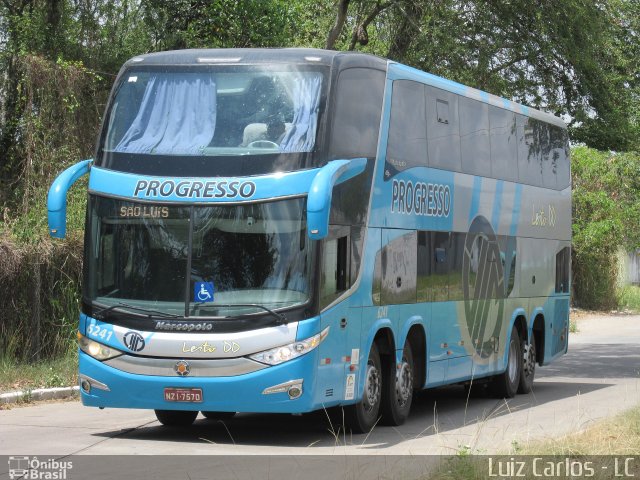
(528, 371)
(397, 389)
(362, 416)
(506, 384)
(219, 415)
(176, 418)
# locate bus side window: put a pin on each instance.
(474, 137)
(457, 244)
(335, 266)
(399, 270)
(504, 149)
(424, 267)
(549, 157)
(560, 147)
(440, 274)
(358, 109)
(529, 154)
(376, 290)
(355, 260)
(563, 262)
(443, 133)
(407, 145)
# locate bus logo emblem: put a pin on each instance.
(133, 341)
(182, 368)
(483, 286)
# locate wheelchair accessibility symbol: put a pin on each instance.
(203, 292)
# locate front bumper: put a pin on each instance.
(240, 393)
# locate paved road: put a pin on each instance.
(599, 377)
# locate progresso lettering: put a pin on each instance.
(428, 199)
(194, 189)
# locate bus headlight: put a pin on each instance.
(285, 353)
(96, 350)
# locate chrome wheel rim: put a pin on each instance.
(404, 384)
(371, 388)
(529, 360)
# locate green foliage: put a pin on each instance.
(629, 298)
(219, 23)
(39, 277)
(606, 217)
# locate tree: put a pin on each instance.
(219, 23)
(576, 58)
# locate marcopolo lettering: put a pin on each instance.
(419, 198)
(194, 189)
(184, 327)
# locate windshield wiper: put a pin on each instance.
(281, 319)
(150, 313)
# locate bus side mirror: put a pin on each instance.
(57, 198)
(321, 191)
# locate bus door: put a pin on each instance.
(334, 281)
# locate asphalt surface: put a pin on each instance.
(599, 377)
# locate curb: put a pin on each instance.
(39, 394)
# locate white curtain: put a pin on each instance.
(177, 116)
(306, 100)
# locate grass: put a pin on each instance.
(629, 298)
(58, 372)
(573, 325)
(619, 435)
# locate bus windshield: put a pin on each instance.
(208, 261)
(240, 110)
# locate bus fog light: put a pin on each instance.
(293, 388)
(295, 391)
(285, 353)
(88, 383)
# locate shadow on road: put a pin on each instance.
(597, 361)
(433, 412)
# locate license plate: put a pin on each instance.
(188, 395)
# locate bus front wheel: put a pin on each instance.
(362, 416)
(506, 384)
(397, 389)
(176, 418)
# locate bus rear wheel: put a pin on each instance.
(219, 415)
(397, 389)
(506, 384)
(528, 365)
(176, 418)
(362, 416)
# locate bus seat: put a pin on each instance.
(253, 132)
(258, 131)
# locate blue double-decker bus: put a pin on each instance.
(288, 230)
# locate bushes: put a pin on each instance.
(40, 277)
(39, 293)
(606, 217)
